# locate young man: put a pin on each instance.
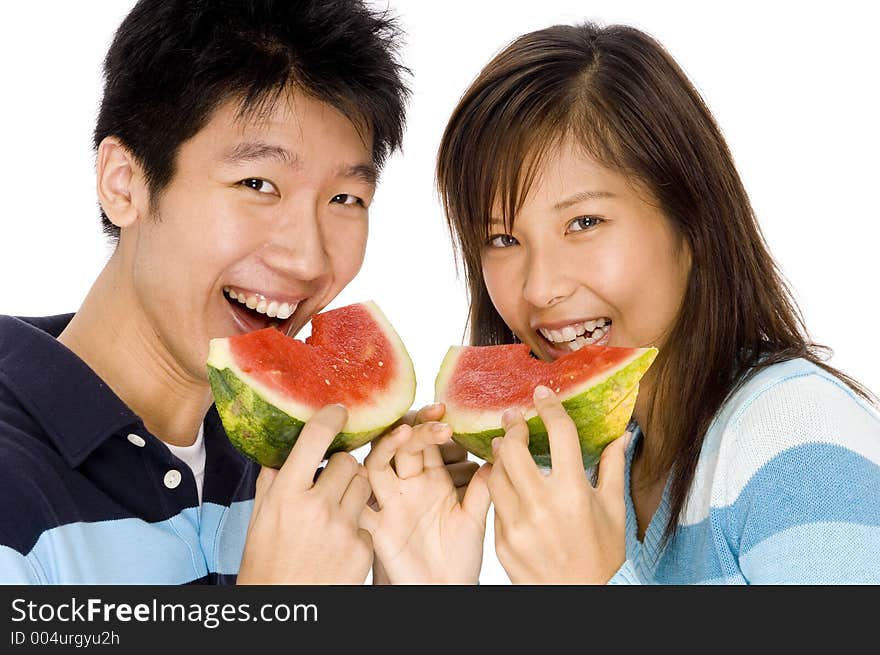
(238, 146)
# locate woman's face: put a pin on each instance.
(589, 260)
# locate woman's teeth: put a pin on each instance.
(578, 335)
(271, 308)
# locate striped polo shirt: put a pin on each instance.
(786, 491)
(88, 495)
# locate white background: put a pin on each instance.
(792, 85)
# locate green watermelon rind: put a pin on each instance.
(597, 427)
(260, 430)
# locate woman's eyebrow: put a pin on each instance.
(583, 196)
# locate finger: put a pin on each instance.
(337, 475)
(612, 467)
(429, 436)
(378, 463)
(407, 419)
(453, 452)
(356, 495)
(514, 450)
(421, 451)
(430, 413)
(565, 447)
(298, 471)
(477, 498)
(462, 472)
(501, 490)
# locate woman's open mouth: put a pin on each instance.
(577, 335)
(254, 311)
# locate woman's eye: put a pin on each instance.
(346, 199)
(260, 185)
(502, 241)
(582, 223)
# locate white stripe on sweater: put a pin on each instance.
(769, 416)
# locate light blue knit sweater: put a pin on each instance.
(787, 490)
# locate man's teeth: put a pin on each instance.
(577, 335)
(271, 308)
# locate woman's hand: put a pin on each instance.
(306, 532)
(459, 467)
(421, 532)
(556, 529)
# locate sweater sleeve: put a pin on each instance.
(801, 492)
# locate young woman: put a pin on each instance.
(594, 200)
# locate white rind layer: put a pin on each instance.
(464, 421)
(386, 407)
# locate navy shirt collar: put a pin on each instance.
(77, 410)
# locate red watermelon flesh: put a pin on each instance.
(597, 385)
(267, 385)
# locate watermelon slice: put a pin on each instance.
(267, 385)
(598, 386)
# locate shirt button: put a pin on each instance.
(136, 440)
(172, 479)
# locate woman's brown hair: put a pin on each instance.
(618, 93)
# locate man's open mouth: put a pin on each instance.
(254, 311)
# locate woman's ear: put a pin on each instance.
(121, 185)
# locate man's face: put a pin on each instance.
(263, 223)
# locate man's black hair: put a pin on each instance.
(172, 63)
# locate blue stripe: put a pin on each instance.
(690, 558)
(223, 534)
(812, 483)
(818, 553)
(122, 551)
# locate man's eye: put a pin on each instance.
(257, 184)
(346, 199)
(582, 223)
(502, 241)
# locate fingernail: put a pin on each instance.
(438, 427)
(434, 407)
(508, 417)
(542, 392)
(496, 444)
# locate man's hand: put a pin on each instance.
(421, 533)
(305, 532)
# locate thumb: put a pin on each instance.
(477, 498)
(612, 467)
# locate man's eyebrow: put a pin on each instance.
(366, 173)
(258, 150)
(583, 196)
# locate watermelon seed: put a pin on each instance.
(327, 382)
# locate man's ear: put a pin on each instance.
(121, 186)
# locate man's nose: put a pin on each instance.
(297, 247)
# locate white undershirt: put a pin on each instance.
(194, 457)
